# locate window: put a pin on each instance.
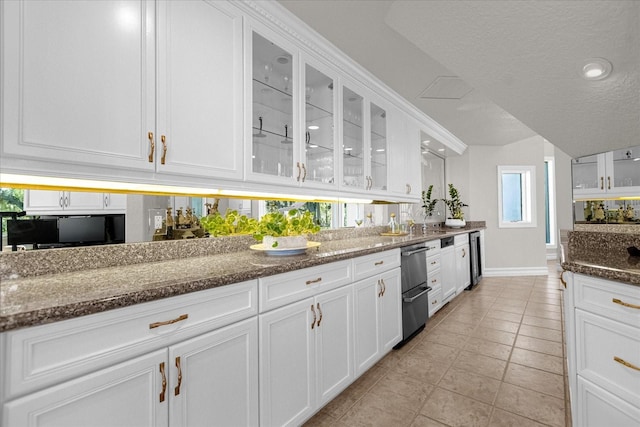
(516, 196)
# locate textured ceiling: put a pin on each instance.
(522, 59)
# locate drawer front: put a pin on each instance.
(433, 264)
(370, 265)
(597, 408)
(610, 299)
(44, 355)
(435, 299)
(434, 247)
(599, 343)
(434, 279)
(461, 239)
(282, 289)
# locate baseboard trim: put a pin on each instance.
(522, 271)
(551, 257)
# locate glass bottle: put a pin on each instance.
(393, 224)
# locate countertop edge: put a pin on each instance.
(61, 312)
(609, 273)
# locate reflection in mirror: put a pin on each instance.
(144, 218)
(433, 173)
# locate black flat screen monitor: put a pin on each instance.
(88, 229)
(30, 231)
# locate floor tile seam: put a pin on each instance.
(538, 351)
(541, 339)
(461, 395)
(536, 367)
(520, 415)
(534, 390)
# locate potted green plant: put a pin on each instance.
(428, 205)
(285, 230)
(455, 205)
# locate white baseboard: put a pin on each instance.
(521, 271)
(551, 257)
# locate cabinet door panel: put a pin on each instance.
(43, 201)
(219, 378)
(79, 81)
(200, 89)
(366, 323)
(127, 394)
(597, 407)
(390, 310)
(334, 342)
(287, 364)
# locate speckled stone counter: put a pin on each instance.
(604, 255)
(39, 287)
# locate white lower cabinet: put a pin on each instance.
(602, 323)
(208, 380)
(463, 264)
(124, 394)
(185, 360)
(448, 270)
(378, 321)
(306, 356)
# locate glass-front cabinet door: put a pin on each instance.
(611, 174)
(378, 149)
(273, 118)
(625, 169)
(318, 153)
(353, 165)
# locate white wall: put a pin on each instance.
(513, 251)
(564, 192)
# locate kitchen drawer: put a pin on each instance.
(434, 247)
(598, 296)
(44, 355)
(597, 408)
(433, 264)
(434, 279)
(435, 299)
(370, 265)
(285, 288)
(598, 341)
(461, 239)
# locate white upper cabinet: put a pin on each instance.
(404, 157)
(199, 98)
(616, 173)
(80, 87)
(78, 81)
(292, 114)
(365, 165)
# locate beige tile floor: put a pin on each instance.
(491, 357)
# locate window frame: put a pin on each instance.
(528, 193)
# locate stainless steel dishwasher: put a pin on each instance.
(415, 301)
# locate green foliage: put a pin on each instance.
(11, 200)
(293, 223)
(427, 204)
(230, 224)
(454, 203)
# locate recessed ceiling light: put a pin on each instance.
(313, 127)
(426, 142)
(313, 146)
(596, 69)
(380, 150)
(348, 148)
(441, 149)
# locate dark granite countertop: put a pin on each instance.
(603, 255)
(41, 287)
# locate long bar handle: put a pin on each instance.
(625, 304)
(384, 286)
(179, 366)
(164, 149)
(309, 282)
(169, 322)
(608, 183)
(299, 171)
(602, 182)
(320, 312)
(164, 382)
(313, 310)
(152, 146)
(625, 363)
(304, 172)
(380, 291)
